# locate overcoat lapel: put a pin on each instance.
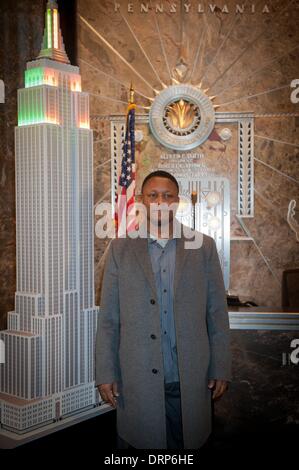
(140, 248)
(180, 258)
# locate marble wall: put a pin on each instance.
(262, 401)
(255, 42)
(241, 55)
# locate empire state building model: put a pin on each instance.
(49, 344)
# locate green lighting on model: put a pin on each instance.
(34, 77)
(49, 28)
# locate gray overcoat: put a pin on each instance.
(127, 354)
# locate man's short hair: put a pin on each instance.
(160, 174)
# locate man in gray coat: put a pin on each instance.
(162, 348)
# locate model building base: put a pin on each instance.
(10, 440)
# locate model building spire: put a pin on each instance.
(52, 45)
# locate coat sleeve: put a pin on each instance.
(217, 319)
(107, 338)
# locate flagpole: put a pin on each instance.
(125, 198)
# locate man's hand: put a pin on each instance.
(218, 387)
(109, 393)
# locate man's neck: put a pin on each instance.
(160, 233)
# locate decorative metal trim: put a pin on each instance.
(221, 211)
(251, 320)
(173, 137)
(245, 122)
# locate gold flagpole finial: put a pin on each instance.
(132, 92)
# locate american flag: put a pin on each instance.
(125, 219)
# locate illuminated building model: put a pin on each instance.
(49, 342)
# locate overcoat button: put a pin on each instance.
(153, 336)
(154, 371)
(153, 301)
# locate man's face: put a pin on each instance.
(156, 191)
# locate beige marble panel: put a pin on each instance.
(256, 54)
